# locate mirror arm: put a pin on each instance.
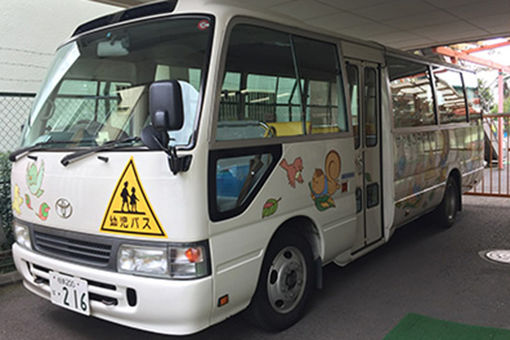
(177, 164)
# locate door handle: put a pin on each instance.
(359, 163)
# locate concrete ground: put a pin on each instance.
(423, 269)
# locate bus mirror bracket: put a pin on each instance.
(158, 140)
(176, 163)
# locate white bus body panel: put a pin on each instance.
(88, 184)
(238, 244)
(424, 160)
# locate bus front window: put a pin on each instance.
(97, 89)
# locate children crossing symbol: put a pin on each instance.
(129, 210)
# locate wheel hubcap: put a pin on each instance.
(286, 280)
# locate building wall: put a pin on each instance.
(31, 32)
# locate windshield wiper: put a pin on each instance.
(36, 147)
(106, 146)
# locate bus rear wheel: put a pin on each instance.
(447, 210)
(284, 284)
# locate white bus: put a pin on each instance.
(186, 160)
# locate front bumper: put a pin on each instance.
(162, 306)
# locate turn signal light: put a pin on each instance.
(193, 255)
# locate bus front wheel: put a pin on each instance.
(284, 284)
(447, 210)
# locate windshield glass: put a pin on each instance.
(97, 87)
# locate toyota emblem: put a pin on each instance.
(63, 208)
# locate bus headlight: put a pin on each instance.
(142, 260)
(176, 261)
(22, 235)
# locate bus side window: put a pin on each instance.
(473, 97)
(260, 94)
(319, 71)
(411, 92)
(236, 177)
(353, 80)
(449, 95)
(370, 91)
(229, 98)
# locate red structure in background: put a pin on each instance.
(465, 55)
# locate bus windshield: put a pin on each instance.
(97, 88)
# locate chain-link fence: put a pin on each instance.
(14, 110)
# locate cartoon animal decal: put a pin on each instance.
(44, 211)
(270, 207)
(325, 183)
(293, 171)
(34, 179)
(28, 202)
(415, 200)
(17, 200)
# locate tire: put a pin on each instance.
(447, 210)
(284, 285)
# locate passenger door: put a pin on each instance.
(363, 79)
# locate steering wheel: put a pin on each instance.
(270, 131)
(84, 128)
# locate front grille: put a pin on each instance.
(98, 291)
(73, 249)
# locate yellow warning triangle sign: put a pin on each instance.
(129, 211)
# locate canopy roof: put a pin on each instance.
(403, 24)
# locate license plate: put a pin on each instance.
(70, 292)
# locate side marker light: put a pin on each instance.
(222, 301)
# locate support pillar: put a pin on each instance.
(500, 120)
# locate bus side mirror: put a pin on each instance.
(165, 105)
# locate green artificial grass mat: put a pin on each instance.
(419, 327)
